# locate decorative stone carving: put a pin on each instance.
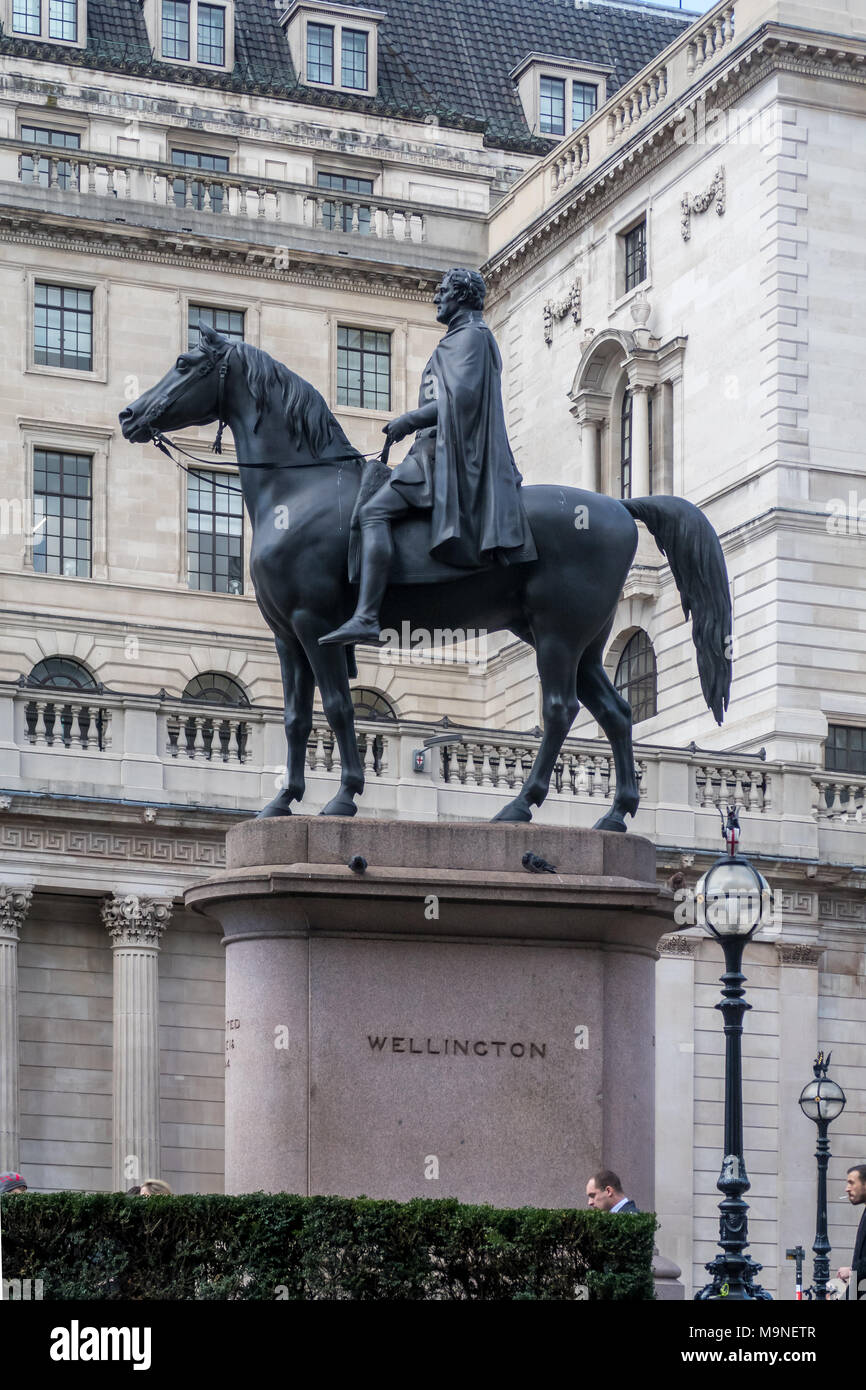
(134, 921)
(701, 201)
(679, 945)
(554, 310)
(798, 953)
(14, 906)
(842, 910)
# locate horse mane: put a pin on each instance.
(308, 420)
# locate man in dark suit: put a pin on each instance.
(855, 1273)
(604, 1193)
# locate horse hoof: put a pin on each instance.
(612, 821)
(339, 806)
(514, 811)
(278, 807)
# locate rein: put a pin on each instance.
(159, 440)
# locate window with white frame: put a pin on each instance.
(63, 327)
(333, 45)
(558, 95)
(56, 21)
(200, 32)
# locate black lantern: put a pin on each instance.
(733, 900)
(823, 1101)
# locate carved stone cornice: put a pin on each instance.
(390, 282)
(14, 906)
(134, 921)
(798, 953)
(679, 945)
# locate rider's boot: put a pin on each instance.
(377, 549)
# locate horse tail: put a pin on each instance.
(694, 553)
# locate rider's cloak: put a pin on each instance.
(464, 469)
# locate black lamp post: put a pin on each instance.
(732, 900)
(823, 1100)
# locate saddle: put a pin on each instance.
(412, 563)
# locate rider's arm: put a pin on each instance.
(422, 418)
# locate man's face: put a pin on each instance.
(601, 1198)
(855, 1187)
(448, 299)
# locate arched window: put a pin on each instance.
(635, 677)
(372, 704)
(625, 446)
(62, 673)
(214, 688)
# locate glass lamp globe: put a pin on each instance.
(822, 1099)
(732, 898)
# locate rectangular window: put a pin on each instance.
(635, 256)
(625, 447)
(199, 188)
(229, 322)
(26, 17)
(364, 368)
(320, 53)
(215, 532)
(344, 217)
(36, 168)
(63, 327)
(212, 35)
(61, 513)
(552, 106)
(175, 29)
(584, 99)
(63, 20)
(355, 59)
(845, 749)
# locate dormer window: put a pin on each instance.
(333, 45)
(197, 32)
(55, 21)
(559, 94)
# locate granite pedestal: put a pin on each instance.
(444, 1024)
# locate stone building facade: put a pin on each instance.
(665, 208)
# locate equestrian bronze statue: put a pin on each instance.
(448, 539)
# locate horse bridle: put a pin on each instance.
(204, 369)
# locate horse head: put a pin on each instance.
(190, 393)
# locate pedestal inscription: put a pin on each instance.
(497, 1053)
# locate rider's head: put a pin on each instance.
(460, 289)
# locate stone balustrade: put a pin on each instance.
(76, 174)
(710, 40)
(164, 751)
(638, 99)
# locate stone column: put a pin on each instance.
(591, 467)
(14, 906)
(675, 1100)
(135, 926)
(640, 479)
(798, 1047)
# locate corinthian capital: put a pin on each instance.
(14, 906)
(134, 921)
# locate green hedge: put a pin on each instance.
(109, 1246)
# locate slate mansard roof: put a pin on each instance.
(448, 58)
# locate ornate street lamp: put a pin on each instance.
(732, 901)
(823, 1101)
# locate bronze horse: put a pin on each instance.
(292, 453)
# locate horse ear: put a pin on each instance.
(209, 336)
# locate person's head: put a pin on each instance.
(155, 1187)
(604, 1190)
(855, 1187)
(12, 1185)
(133, 1191)
(459, 289)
